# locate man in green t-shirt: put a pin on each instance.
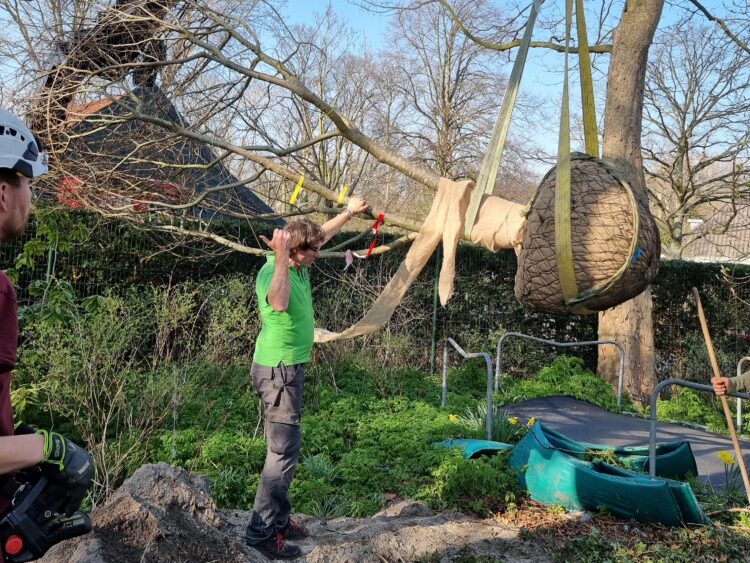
(278, 372)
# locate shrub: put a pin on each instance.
(230, 449)
(566, 376)
(482, 485)
(470, 379)
(216, 396)
(233, 487)
(91, 363)
(232, 321)
(316, 497)
(319, 467)
(395, 438)
(687, 405)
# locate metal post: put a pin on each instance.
(433, 348)
(445, 374)
(488, 363)
(652, 402)
(498, 356)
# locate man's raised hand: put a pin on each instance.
(280, 243)
(357, 205)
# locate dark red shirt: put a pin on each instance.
(8, 347)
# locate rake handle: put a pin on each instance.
(727, 413)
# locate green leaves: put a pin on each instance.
(566, 376)
(56, 303)
(483, 485)
(56, 230)
(686, 405)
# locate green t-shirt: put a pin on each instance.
(287, 336)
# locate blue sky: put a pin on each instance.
(543, 71)
(372, 25)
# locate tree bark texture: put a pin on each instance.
(630, 323)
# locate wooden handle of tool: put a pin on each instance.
(727, 413)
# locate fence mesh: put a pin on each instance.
(117, 255)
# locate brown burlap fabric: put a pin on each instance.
(444, 222)
(499, 224)
(604, 219)
(610, 267)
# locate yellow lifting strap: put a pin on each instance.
(563, 235)
(488, 172)
(563, 229)
(590, 132)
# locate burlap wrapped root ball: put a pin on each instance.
(610, 266)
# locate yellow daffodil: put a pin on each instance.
(452, 418)
(725, 457)
(531, 422)
(513, 420)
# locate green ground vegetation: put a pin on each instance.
(161, 374)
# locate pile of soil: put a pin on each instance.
(163, 514)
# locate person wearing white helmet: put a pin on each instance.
(20, 161)
(21, 446)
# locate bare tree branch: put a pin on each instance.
(742, 45)
(517, 42)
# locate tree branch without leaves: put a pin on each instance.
(721, 24)
(517, 42)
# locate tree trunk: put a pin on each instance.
(630, 323)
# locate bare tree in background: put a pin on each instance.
(272, 103)
(448, 83)
(220, 55)
(452, 86)
(696, 139)
(327, 59)
(204, 94)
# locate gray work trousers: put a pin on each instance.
(280, 391)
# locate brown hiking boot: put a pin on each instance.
(295, 530)
(276, 548)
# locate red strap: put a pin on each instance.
(375, 228)
(376, 225)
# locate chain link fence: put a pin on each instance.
(118, 255)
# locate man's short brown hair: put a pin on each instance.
(305, 234)
(9, 176)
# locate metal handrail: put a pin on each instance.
(655, 395)
(466, 356)
(739, 401)
(498, 357)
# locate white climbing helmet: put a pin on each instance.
(19, 149)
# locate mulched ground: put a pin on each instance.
(540, 522)
(556, 529)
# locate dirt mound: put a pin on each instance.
(162, 514)
(407, 531)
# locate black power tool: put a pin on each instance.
(37, 519)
